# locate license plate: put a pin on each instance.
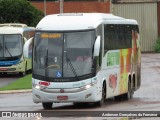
(62, 97)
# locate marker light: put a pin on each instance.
(94, 80)
(44, 83)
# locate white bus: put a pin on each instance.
(83, 58)
(15, 48)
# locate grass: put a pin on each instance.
(21, 83)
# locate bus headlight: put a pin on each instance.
(42, 85)
(37, 87)
(88, 86)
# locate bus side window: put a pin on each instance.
(110, 37)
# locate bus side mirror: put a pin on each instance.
(24, 39)
(27, 49)
(97, 46)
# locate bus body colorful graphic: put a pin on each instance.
(85, 58)
(15, 48)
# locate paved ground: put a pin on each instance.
(150, 76)
(8, 78)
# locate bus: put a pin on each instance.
(15, 48)
(85, 58)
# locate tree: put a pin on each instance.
(19, 11)
(64, 0)
(42, 0)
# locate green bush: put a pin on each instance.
(157, 46)
(19, 11)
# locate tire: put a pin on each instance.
(3, 74)
(76, 104)
(119, 97)
(47, 105)
(129, 94)
(22, 73)
(80, 104)
(101, 102)
(29, 71)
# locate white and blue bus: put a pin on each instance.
(15, 48)
(85, 57)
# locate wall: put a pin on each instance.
(146, 15)
(53, 7)
(134, 1)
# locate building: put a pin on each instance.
(144, 11)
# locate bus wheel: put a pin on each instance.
(101, 102)
(129, 94)
(3, 74)
(119, 97)
(80, 104)
(47, 105)
(22, 73)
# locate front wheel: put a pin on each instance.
(80, 104)
(101, 102)
(47, 105)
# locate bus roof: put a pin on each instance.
(13, 28)
(79, 21)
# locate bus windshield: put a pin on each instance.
(10, 46)
(66, 55)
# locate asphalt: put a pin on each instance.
(15, 91)
(8, 78)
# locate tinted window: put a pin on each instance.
(117, 36)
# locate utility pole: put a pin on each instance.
(44, 7)
(61, 6)
(111, 7)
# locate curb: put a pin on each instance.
(15, 91)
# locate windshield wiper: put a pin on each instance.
(72, 68)
(46, 65)
(8, 51)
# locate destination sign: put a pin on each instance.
(51, 35)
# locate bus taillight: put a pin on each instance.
(44, 83)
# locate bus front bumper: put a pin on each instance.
(89, 95)
(14, 68)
